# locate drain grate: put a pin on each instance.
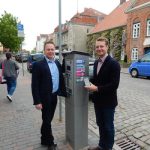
(126, 144)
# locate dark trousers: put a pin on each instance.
(105, 122)
(47, 116)
(11, 85)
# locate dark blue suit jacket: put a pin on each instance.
(107, 81)
(42, 82)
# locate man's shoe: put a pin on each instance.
(52, 147)
(45, 143)
(95, 148)
(9, 98)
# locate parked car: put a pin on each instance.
(22, 56)
(32, 59)
(17, 56)
(141, 67)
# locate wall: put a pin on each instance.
(141, 15)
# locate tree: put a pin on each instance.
(8, 32)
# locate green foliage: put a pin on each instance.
(33, 51)
(115, 38)
(91, 42)
(8, 32)
(106, 34)
(116, 42)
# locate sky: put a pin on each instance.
(41, 16)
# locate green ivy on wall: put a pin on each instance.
(116, 43)
(91, 42)
(115, 38)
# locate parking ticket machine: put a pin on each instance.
(76, 103)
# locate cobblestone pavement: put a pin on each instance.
(132, 118)
(20, 122)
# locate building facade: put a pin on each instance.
(41, 39)
(138, 29)
(74, 32)
(113, 27)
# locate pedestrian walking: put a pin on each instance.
(10, 72)
(47, 83)
(104, 84)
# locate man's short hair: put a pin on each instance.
(103, 39)
(48, 42)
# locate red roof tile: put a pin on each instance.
(115, 19)
(91, 12)
(88, 16)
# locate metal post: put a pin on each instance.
(77, 6)
(60, 57)
(20, 29)
(21, 59)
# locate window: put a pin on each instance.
(148, 27)
(146, 58)
(134, 55)
(136, 30)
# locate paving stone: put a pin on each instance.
(138, 135)
(20, 122)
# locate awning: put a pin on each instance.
(147, 42)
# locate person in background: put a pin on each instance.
(47, 83)
(106, 77)
(10, 73)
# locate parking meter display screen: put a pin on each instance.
(68, 68)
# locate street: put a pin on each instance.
(132, 118)
(20, 121)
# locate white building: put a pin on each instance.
(41, 39)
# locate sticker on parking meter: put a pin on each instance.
(79, 79)
(80, 70)
(80, 61)
(80, 74)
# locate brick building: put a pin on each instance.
(138, 29)
(117, 19)
(74, 31)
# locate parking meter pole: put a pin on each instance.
(20, 29)
(22, 59)
(60, 58)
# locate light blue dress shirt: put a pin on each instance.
(54, 73)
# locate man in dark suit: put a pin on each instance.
(47, 83)
(106, 77)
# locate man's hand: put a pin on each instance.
(92, 88)
(39, 106)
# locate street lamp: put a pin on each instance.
(60, 56)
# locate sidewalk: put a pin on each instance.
(124, 70)
(20, 122)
